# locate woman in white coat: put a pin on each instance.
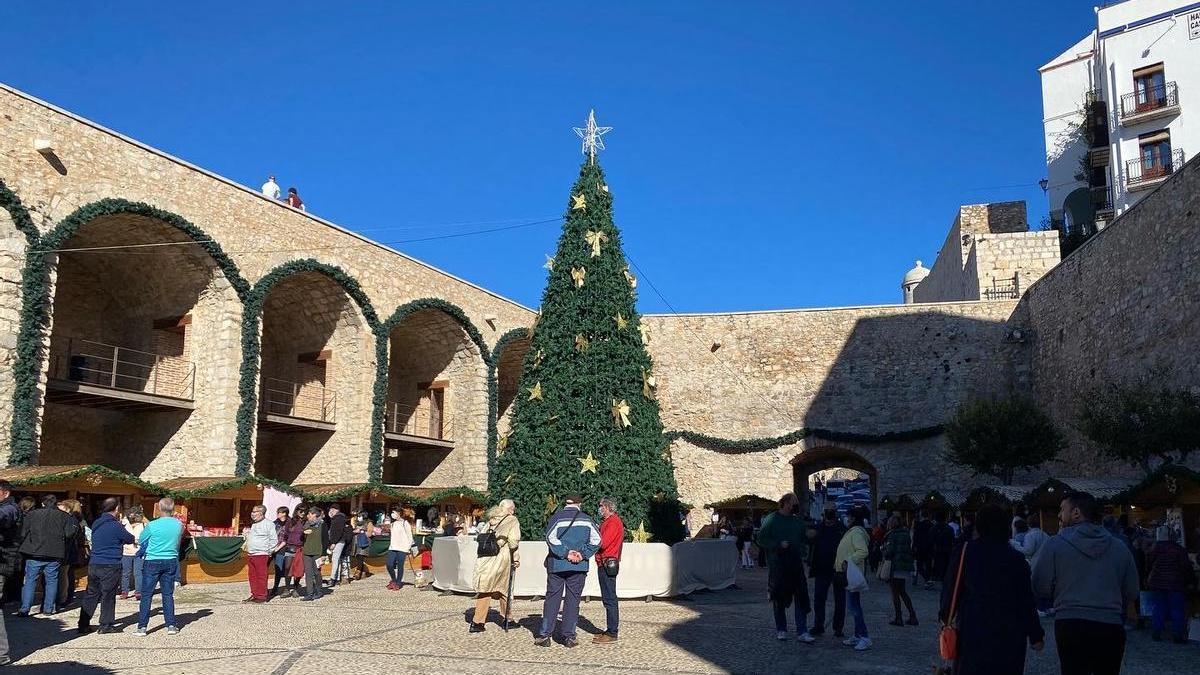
(492, 573)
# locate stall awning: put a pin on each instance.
(223, 487)
(745, 502)
(333, 492)
(87, 478)
(1050, 492)
(1166, 486)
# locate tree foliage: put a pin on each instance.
(585, 356)
(999, 436)
(1142, 421)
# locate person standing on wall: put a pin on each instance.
(160, 541)
(572, 538)
(1091, 578)
(109, 538)
(10, 532)
(608, 561)
(262, 543)
(44, 536)
(271, 188)
(294, 201)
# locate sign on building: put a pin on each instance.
(1193, 20)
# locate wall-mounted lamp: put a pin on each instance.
(491, 320)
(43, 146)
(1043, 183)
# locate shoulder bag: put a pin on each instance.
(569, 525)
(488, 544)
(948, 633)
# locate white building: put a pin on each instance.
(1121, 109)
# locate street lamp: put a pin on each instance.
(1043, 183)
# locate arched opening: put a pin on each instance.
(819, 466)
(509, 363)
(1079, 212)
(315, 381)
(143, 352)
(435, 422)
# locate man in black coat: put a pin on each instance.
(44, 536)
(824, 550)
(338, 536)
(922, 541)
(10, 531)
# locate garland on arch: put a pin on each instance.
(494, 394)
(90, 469)
(247, 414)
(232, 484)
(9, 201)
(35, 299)
(382, 336)
(729, 445)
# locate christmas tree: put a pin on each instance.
(586, 420)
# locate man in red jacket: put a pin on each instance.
(612, 536)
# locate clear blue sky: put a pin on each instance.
(766, 155)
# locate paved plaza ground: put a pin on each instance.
(363, 628)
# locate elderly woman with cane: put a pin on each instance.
(497, 562)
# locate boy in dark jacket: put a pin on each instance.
(824, 550)
(109, 537)
(314, 547)
(572, 537)
(44, 536)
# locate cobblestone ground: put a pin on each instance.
(363, 628)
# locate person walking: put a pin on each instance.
(313, 549)
(271, 188)
(339, 537)
(131, 562)
(897, 550)
(784, 536)
(109, 538)
(44, 536)
(262, 543)
(1030, 545)
(829, 534)
(78, 545)
(745, 535)
(493, 573)
(572, 538)
(852, 550)
(10, 532)
(160, 541)
(941, 539)
(294, 201)
(922, 536)
(1170, 575)
(399, 546)
(1091, 578)
(608, 561)
(991, 601)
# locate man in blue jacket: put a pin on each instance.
(573, 538)
(109, 537)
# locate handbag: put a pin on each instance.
(885, 570)
(948, 633)
(488, 546)
(856, 581)
(612, 566)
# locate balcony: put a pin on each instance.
(1102, 201)
(1143, 175)
(1149, 104)
(1003, 289)
(288, 407)
(100, 375)
(420, 425)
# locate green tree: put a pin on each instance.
(1142, 421)
(999, 436)
(586, 365)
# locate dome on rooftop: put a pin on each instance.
(916, 274)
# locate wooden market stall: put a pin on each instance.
(1010, 498)
(1169, 495)
(737, 509)
(899, 505)
(91, 484)
(1046, 498)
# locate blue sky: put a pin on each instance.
(765, 155)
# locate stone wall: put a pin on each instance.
(92, 163)
(1126, 301)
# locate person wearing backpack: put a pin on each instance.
(572, 538)
(497, 559)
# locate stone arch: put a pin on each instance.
(820, 455)
(1079, 211)
(19, 235)
(508, 359)
(435, 408)
(306, 334)
(152, 320)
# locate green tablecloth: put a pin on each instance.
(218, 549)
(379, 546)
(424, 540)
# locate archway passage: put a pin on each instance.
(824, 459)
(143, 348)
(435, 422)
(314, 383)
(509, 363)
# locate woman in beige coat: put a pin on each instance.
(492, 573)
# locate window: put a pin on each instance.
(1150, 88)
(1155, 152)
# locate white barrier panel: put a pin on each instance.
(646, 569)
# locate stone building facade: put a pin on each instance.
(356, 362)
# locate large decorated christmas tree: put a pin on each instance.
(586, 420)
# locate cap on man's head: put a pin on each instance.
(572, 499)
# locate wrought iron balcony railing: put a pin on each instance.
(1141, 172)
(1149, 100)
(308, 401)
(421, 420)
(1003, 289)
(105, 365)
(1102, 199)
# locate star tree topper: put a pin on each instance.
(591, 135)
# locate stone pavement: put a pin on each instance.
(363, 628)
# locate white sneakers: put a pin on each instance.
(850, 641)
(781, 635)
(806, 638)
(863, 644)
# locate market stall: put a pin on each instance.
(1171, 496)
(91, 484)
(1046, 498)
(899, 505)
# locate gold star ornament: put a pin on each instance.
(622, 322)
(594, 239)
(620, 413)
(535, 392)
(580, 202)
(577, 275)
(640, 535)
(589, 463)
(581, 343)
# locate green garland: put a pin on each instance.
(247, 414)
(728, 445)
(382, 336)
(86, 470)
(35, 299)
(494, 394)
(231, 484)
(9, 201)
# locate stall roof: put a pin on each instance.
(83, 477)
(221, 486)
(322, 492)
(1164, 486)
(745, 501)
(1050, 491)
(438, 495)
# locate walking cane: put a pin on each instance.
(512, 572)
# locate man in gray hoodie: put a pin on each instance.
(1092, 579)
